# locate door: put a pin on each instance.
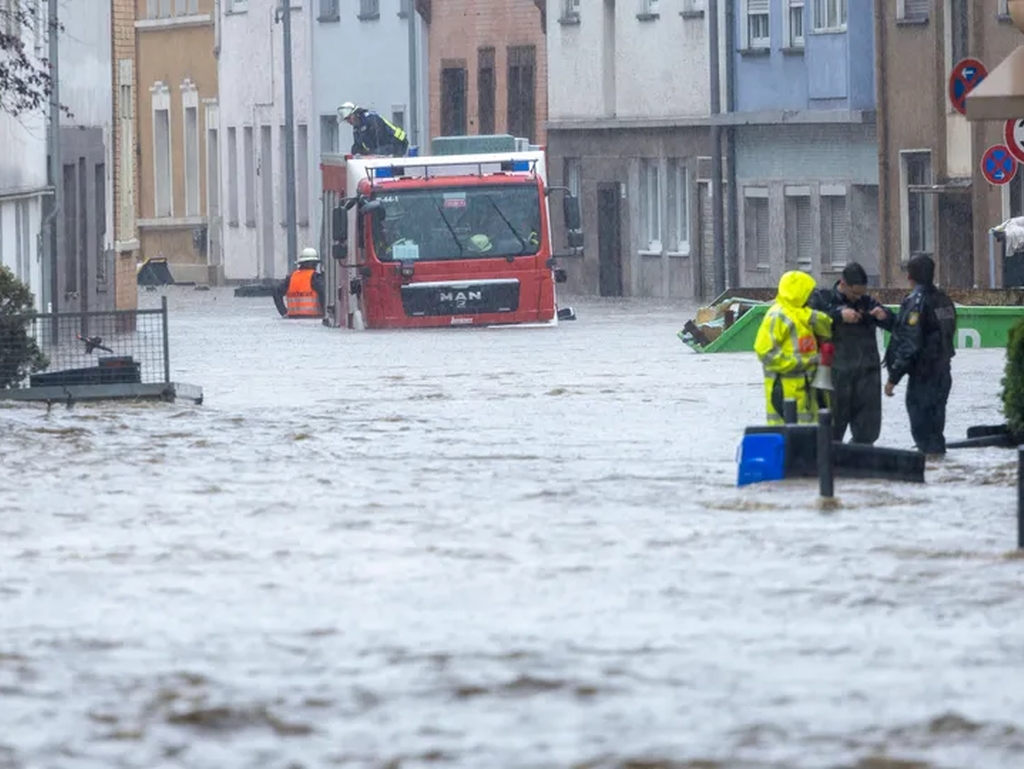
(609, 240)
(956, 261)
(267, 202)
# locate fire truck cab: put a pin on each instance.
(456, 238)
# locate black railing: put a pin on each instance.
(85, 348)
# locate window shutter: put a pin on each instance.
(757, 6)
(839, 228)
(916, 9)
(761, 229)
(803, 230)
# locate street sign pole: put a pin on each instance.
(289, 138)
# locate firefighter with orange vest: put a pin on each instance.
(301, 294)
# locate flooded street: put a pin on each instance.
(491, 548)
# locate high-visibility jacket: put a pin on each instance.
(787, 346)
(300, 299)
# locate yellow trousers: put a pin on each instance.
(778, 388)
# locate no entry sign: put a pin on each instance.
(998, 166)
(1013, 135)
(962, 80)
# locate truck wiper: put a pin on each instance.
(449, 226)
(522, 243)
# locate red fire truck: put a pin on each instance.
(459, 237)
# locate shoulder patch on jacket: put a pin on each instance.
(912, 318)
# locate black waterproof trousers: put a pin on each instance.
(926, 407)
(857, 404)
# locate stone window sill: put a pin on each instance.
(755, 52)
(793, 51)
(698, 14)
(648, 16)
(1004, 18)
(327, 19)
(369, 17)
(916, 22)
(570, 21)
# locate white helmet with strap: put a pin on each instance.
(308, 255)
(345, 110)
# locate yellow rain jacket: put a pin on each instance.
(787, 346)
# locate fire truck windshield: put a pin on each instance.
(470, 222)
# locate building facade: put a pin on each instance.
(176, 123)
(23, 182)
(806, 150)
(252, 154)
(85, 243)
(488, 69)
(124, 168)
(633, 142)
(934, 198)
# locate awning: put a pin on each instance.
(1000, 96)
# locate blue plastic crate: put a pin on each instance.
(762, 457)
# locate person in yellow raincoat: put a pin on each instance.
(787, 346)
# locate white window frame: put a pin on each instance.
(791, 40)
(1003, 8)
(901, 12)
(160, 99)
(757, 193)
(650, 206)
(570, 9)
(834, 192)
(752, 8)
(905, 156)
(191, 172)
(678, 201)
(648, 7)
(826, 8)
(302, 174)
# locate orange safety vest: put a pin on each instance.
(301, 300)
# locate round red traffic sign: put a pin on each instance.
(962, 80)
(998, 166)
(1013, 135)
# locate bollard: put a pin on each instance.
(825, 465)
(1020, 497)
(789, 411)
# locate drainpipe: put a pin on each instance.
(414, 105)
(56, 167)
(732, 240)
(882, 134)
(718, 209)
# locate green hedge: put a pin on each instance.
(19, 353)
(1013, 380)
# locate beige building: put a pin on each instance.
(176, 110)
(488, 68)
(933, 197)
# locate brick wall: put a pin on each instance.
(459, 28)
(123, 47)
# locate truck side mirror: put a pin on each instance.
(338, 251)
(571, 210)
(339, 224)
(575, 238)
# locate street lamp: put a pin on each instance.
(284, 15)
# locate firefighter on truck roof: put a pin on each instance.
(372, 134)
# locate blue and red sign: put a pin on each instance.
(998, 166)
(962, 80)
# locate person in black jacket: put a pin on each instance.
(857, 367)
(922, 348)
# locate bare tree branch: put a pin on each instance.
(25, 84)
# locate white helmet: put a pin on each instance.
(308, 255)
(345, 110)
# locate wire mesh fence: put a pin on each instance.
(84, 348)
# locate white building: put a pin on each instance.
(633, 143)
(251, 119)
(23, 186)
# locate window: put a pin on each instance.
(522, 87)
(212, 173)
(126, 155)
(329, 10)
(485, 91)
(798, 228)
(919, 216)
(572, 175)
(453, 101)
(835, 226)
(161, 9)
(283, 146)
(1004, 8)
(163, 185)
(678, 208)
(302, 174)
(913, 10)
(369, 9)
(192, 158)
(249, 159)
(24, 240)
(8, 17)
(794, 20)
(398, 116)
(648, 7)
(70, 212)
(755, 227)
(232, 179)
(650, 207)
(571, 10)
(758, 24)
(100, 192)
(186, 7)
(959, 28)
(329, 133)
(829, 15)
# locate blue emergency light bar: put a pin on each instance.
(506, 166)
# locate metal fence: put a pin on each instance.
(85, 348)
